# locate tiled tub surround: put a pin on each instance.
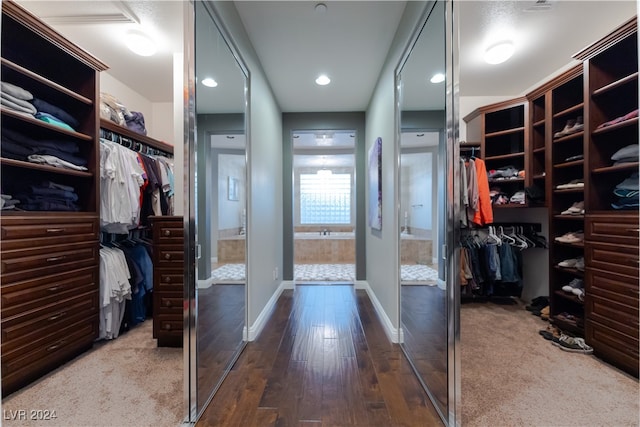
(415, 249)
(314, 247)
(231, 247)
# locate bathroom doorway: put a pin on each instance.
(324, 206)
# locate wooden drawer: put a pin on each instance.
(168, 280)
(28, 232)
(169, 255)
(45, 347)
(621, 259)
(170, 303)
(615, 287)
(26, 328)
(612, 228)
(29, 294)
(621, 317)
(170, 324)
(618, 349)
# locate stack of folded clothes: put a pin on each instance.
(48, 196)
(62, 153)
(7, 202)
(506, 172)
(627, 193)
(519, 198)
(16, 99)
(54, 115)
(630, 115)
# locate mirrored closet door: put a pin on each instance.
(422, 203)
(220, 207)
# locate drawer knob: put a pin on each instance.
(167, 256)
(167, 303)
(167, 279)
(55, 258)
(56, 345)
(167, 233)
(55, 288)
(167, 326)
(57, 316)
(55, 230)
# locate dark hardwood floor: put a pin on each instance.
(323, 359)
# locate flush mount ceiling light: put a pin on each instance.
(499, 52)
(437, 78)
(323, 80)
(140, 43)
(209, 82)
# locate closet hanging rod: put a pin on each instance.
(160, 147)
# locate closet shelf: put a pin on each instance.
(617, 168)
(44, 168)
(539, 123)
(40, 123)
(569, 137)
(569, 164)
(617, 126)
(567, 326)
(510, 205)
(539, 150)
(574, 271)
(618, 83)
(37, 77)
(539, 176)
(505, 181)
(505, 156)
(568, 296)
(570, 217)
(504, 132)
(569, 110)
(569, 190)
(123, 131)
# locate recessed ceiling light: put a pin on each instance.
(209, 82)
(499, 52)
(140, 43)
(437, 78)
(323, 80)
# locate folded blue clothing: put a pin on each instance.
(630, 183)
(50, 206)
(8, 146)
(630, 150)
(48, 118)
(28, 149)
(57, 112)
(50, 184)
(62, 145)
(54, 193)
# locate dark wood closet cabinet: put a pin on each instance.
(49, 259)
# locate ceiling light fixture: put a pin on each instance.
(209, 82)
(140, 43)
(323, 80)
(437, 78)
(499, 52)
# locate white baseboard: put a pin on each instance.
(442, 284)
(263, 317)
(288, 284)
(206, 283)
(387, 325)
(434, 261)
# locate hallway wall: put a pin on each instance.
(382, 245)
(264, 213)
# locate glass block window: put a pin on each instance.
(325, 198)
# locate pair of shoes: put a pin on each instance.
(574, 286)
(537, 304)
(573, 344)
(571, 237)
(539, 313)
(572, 263)
(544, 313)
(574, 183)
(572, 126)
(551, 333)
(576, 209)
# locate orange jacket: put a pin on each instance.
(484, 213)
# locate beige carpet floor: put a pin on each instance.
(511, 376)
(124, 382)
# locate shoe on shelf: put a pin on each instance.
(576, 209)
(571, 237)
(573, 344)
(579, 292)
(568, 263)
(566, 130)
(578, 126)
(574, 284)
(580, 264)
(574, 183)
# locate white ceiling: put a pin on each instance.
(349, 42)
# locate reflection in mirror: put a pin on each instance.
(220, 189)
(422, 208)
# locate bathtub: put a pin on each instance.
(311, 247)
